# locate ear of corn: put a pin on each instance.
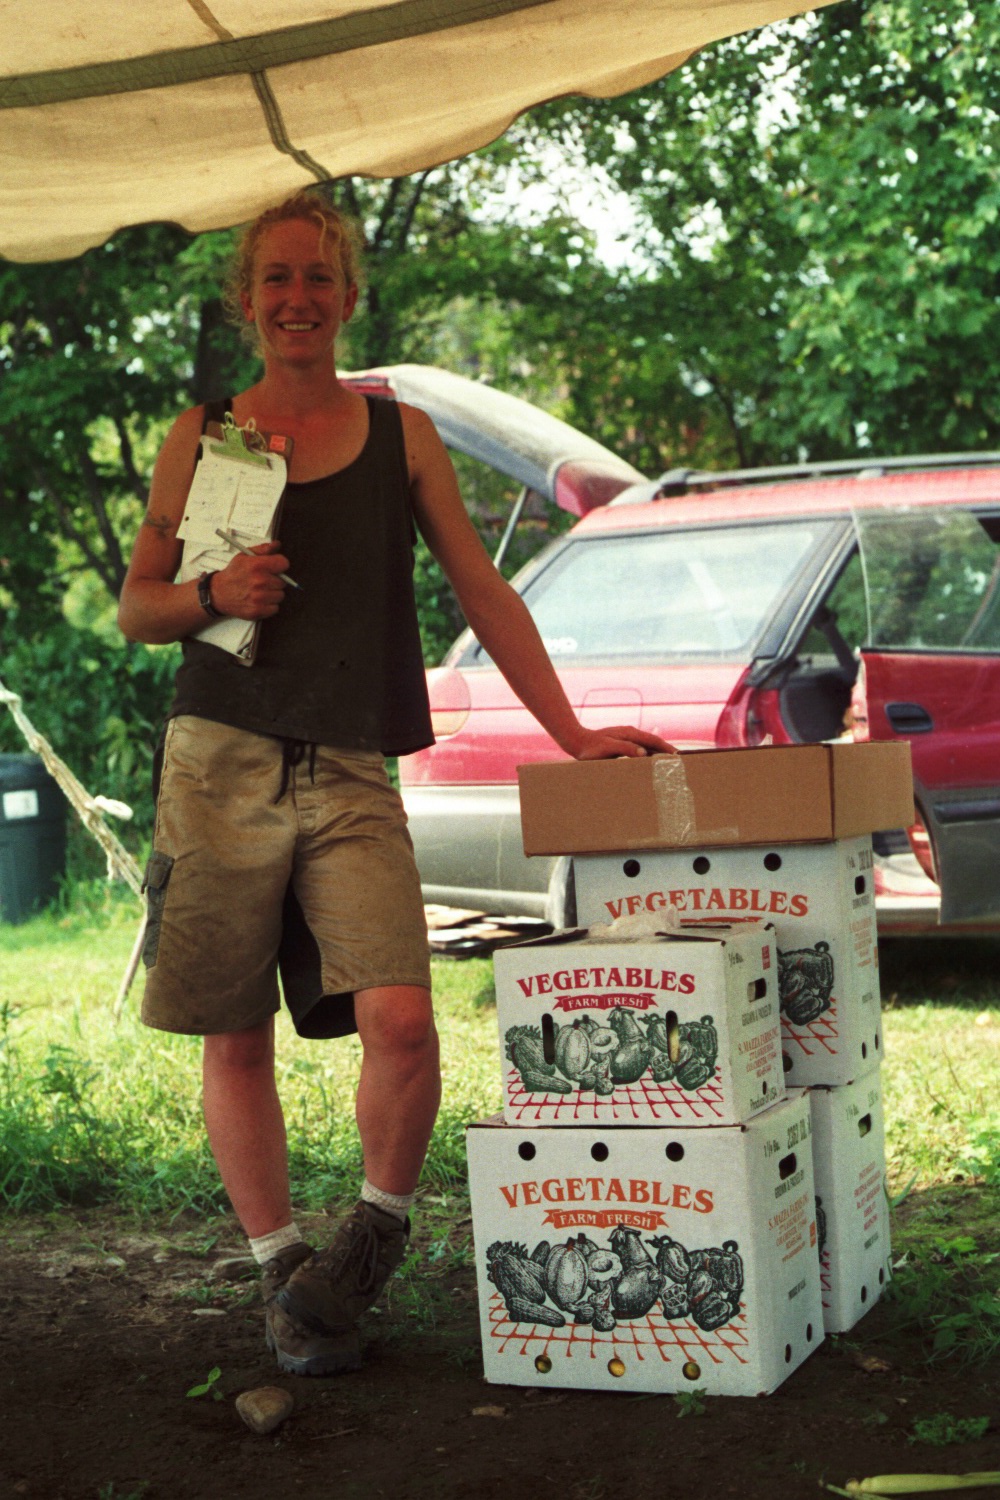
(919, 1484)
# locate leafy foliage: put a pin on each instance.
(816, 235)
(943, 1429)
(947, 1291)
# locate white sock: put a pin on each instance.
(268, 1245)
(397, 1204)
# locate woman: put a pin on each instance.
(275, 814)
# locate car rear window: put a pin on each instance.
(656, 594)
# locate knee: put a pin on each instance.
(402, 1026)
(240, 1051)
(412, 1036)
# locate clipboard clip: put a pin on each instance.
(245, 445)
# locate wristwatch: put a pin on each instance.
(205, 596)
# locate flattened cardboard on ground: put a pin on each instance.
(681, 1029)
(821, 900)
(660, 1260)
(852, 1210)
(775, 794)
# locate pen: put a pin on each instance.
(227, 536)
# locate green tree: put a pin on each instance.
(815, 238)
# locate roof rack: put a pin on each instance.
(681, 481)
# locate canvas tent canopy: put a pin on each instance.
(203, 112)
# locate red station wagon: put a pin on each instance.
(856, 599)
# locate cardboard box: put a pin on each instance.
(647, 1260)
(821, 900)
(677, 1030)
(778, 794)
(852, 1210)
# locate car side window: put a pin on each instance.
(932, 578)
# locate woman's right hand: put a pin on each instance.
(249, 588)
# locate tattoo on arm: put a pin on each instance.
(163, 524)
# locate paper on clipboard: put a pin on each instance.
(239, 492)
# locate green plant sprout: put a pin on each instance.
(691, 1403)
(209, 1386)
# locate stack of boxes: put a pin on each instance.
(645, 1213)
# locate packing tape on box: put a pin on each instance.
(675, 807)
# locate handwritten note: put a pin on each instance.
(234, 496)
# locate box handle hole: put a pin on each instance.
(548, 1038)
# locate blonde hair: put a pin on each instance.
(343, 231)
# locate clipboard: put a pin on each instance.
(239, 482)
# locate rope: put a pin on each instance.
(90, 811)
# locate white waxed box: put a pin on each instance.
(678, 1029)
(821, 900)
(647, 1260)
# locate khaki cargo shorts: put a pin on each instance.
(321, 883)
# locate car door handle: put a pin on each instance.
(909, 718)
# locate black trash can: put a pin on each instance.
(32, 836)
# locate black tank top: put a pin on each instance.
(340, 664)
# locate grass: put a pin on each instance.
(94, 1112)
(941, 1004)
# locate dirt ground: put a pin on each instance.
(104, 1328)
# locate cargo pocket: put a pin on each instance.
(154, 885)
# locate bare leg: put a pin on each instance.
(400, 1086)
(246, 1127)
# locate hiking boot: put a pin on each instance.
(298, 1350)
(301, 1351)
(328, 1293)
(276, 1271)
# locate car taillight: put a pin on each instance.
(449, 699)
(750, 717)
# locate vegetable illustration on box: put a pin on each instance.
(595, 1057)
(640, 1027)
(601, 1286)
(805, 976)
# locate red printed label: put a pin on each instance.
(604, 1002)
(603, 1219)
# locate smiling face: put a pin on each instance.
(298, 297)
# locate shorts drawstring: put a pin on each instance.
(293, 753)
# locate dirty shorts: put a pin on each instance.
(320, 880)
